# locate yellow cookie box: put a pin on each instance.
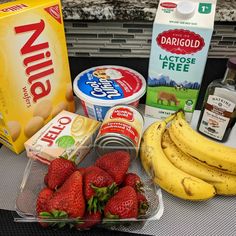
(35, 77)
(67, 135)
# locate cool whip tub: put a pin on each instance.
(102, 87)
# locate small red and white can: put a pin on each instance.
(121, 130)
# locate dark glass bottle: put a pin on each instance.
(218, 114)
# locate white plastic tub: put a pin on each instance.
(99, 88)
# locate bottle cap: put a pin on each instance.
(185, 9)
(231, 64)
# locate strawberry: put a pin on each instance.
(42, 203)
(99, 186)
(44, 195)
(122, 205)
(69, 199)
(58, 171)
(133, 180)
(90, 219)
(142, 204)
(82, 170)
(115, 163)
(46, 179)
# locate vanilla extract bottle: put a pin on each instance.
(218, 114)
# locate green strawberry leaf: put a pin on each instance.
(110, 216)
(45, 214)
(61, 224)
(65, 141)
(59, 214)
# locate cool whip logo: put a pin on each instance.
(103, 88)
(180, 41)
(36, 59)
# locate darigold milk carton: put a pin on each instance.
(35, 78)
(181, 36)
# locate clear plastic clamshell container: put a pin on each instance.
(33, 182)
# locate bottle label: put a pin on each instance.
(216, 116)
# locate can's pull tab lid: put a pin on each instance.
(185, 9)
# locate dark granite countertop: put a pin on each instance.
(131, 10)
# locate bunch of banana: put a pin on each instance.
(209, 152)
(166, 175)
(225, 184)
(185, 163)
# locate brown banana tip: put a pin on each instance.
(180, 113)
(169, 118)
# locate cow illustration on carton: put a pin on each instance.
(170, 98)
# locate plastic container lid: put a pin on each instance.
(109, 85)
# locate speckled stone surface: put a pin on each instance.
(130, 10)
(142, 10)
(226, 10)
(110, 9)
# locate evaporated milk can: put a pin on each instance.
(120, 130)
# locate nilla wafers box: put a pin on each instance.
(35, 77)
(68, 135)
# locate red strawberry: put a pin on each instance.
(46, 179)
(90, 220)
(42, 200)
(69, 199)
(142, 204)
(82, 170)
(115, 163)
(133, 180)
(99, 186)
(122, 205)
(58, 171)
(42, 203)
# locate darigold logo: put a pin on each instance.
(179, 41)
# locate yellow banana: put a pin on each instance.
(225, 184)
(166, 175)
(201, 148)
(145, 157)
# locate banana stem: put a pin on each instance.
(169, 118)
(180, 114)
